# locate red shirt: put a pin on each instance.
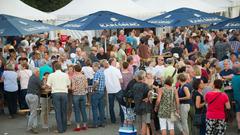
(215, 110)
(63, 38)
(128, 51)
(204, 73)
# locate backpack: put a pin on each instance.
(129, 94)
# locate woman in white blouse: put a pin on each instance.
(23, 75)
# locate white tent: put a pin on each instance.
(168, 5)
(20, 9)
(232, 6)
(235, 8)
(219, 3)
(79, 8)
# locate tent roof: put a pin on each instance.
(185, 17)
(105, 20)
(15, 26)
(168, 5)
(20, 9)
(233, 23)
(79, 8)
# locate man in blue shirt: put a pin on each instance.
(131, 40)
(97, 98)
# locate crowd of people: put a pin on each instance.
(187, 78)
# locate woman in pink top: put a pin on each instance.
(216, 101)
(122, 37)
(136, 59)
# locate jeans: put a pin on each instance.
(22, 101)
(111, 98)
(183, 122)
(97, 102)
(11, 98)
(79, 104)
(202, 130)
(32, 101)
(60, 107)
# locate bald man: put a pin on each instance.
(101, 54)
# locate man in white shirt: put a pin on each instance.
(59, 82)
(113, 79)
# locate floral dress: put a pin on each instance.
(167, 103)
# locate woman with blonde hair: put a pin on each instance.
(23, 75)
(197, 71)
(185, 100)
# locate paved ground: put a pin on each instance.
(18, 127)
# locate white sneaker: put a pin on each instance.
(45, 126)
(69, 123)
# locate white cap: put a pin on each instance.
(73, 55)
(176, 55)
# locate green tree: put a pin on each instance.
(47, 5)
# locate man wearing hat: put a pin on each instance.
(170, 70)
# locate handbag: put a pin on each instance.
(174, 116)
(198, 119)
(229, 115)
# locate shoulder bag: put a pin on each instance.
(174, 115)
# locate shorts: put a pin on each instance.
(164, 123)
